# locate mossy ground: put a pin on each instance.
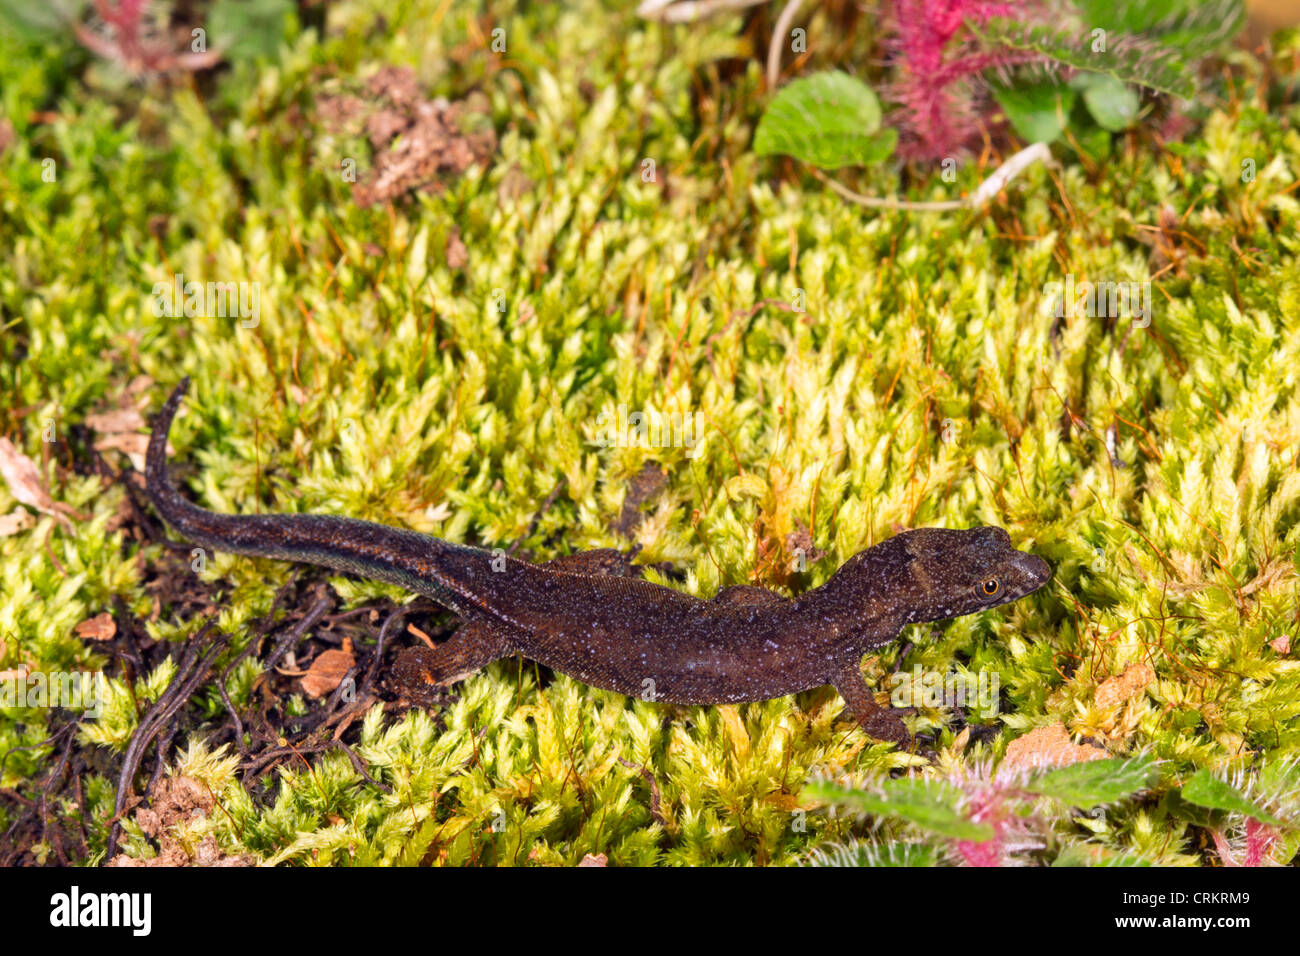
(381, 383)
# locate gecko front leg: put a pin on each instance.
(883, 723)
(420, 671)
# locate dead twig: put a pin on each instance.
(782, 27)
(190, 672)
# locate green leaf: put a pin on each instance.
(1280, 776)
(1092, 141)
(828, 120)
(1193, 27)
(1036, 111)
(1095, 781)
(40, 21)
(1077, 855)
(928, 804)
(872, 854)
(1133, 16)
(249, 29)
(1112, 104)
(1129, 59)
(1206, 790)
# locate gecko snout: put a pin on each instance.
(1033, 568)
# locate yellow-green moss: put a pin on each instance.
(382, 384)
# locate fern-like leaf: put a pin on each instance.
(1128, 58)
(1193, 27)
(870, 853)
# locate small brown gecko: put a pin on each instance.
(579, 615)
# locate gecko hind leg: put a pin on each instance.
(421, 671)
(883, 723)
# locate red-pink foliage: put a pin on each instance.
(935, 62)
(126, 39)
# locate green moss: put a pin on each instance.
(382, 384)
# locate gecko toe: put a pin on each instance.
(413, 678)
(886, 725)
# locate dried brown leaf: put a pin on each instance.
(132, 444)
(1116, 690)
(101, 627)
(24, 480)
(327, 672)
(124, 419)
(1046, 747)
(17, 520)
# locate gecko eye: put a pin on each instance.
(990, 587)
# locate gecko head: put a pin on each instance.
(947, 573)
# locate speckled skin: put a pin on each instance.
(578, 616)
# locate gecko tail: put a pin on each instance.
(286, 537)
(209, 529)
(415, 561)
(187, 518)
(157, 482)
